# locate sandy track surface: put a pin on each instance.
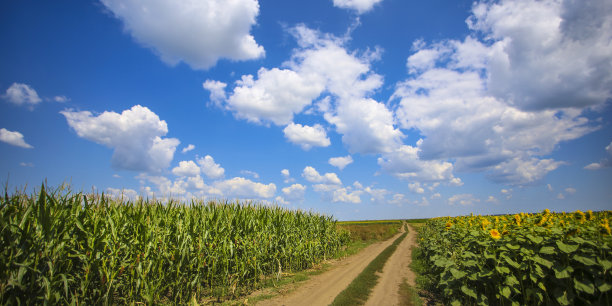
(322, 289)
(394, 272)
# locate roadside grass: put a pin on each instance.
(358, 291)
(409, 296)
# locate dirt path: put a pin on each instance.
(395, 271)
(322, 289)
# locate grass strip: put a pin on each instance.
(358, 291)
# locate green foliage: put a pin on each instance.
(66, 248)
(526, 259)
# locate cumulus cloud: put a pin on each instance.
(210, 168)
(366, 126)
(405, 163)
(295, 192)
(217, 91)
(250, 173)
(321, 66)
(341, 162)
(313, 176)
(604, 163)
(22, 94)
(13, 138)
(337, 193)
(61, 99)
(547, 54)
(416, 187)
(492, 199)
(454, 100)
(307, 136)
(570, 190)
(359, 6)
(135, 135)
(24, 164)
(186, 168)
(522, 171)
(122, 194)
(287, 176)
(275, 96)
(464, 199)
(188, 148)
(239, 187)
(198, 33)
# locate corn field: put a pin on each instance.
(523, 259)
(73, 248)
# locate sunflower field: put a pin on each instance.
(523, 259)
(71, 248)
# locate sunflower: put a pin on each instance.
(495, 234)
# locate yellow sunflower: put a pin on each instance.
(495, 234)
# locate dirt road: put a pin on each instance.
(322, 289)
(395, 271)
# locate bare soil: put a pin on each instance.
(395, 272)
(322, 289)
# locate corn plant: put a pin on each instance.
(74, 248)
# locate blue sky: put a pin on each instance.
(364, 109)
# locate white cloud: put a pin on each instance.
(321, 65)
(239, 187)
(507, 193)
(341, 161)
(549, 187)
(287, 176)
(307, 136)
(275, 96)
(250, 173)
(513, 90)
(360, 6)
(522, 171)
(61, 99)
(198, 33)
(399, 199)
(24, 164)
(122, 194)
(377, 194)
(570, 190)
(547, 54)
(295, 192)
(188, 148)
(217, 91)
(280, 200)
(22, 94)
(210, 168)
(416, 187)
(435, 196)
(463, 199)
(492, 199)
(366, 126)
(405, 163)
(135, 135)
(337, 193)
(13, 138)
(560, 196)
(313, 176)
(604, 163)
(186, 168)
